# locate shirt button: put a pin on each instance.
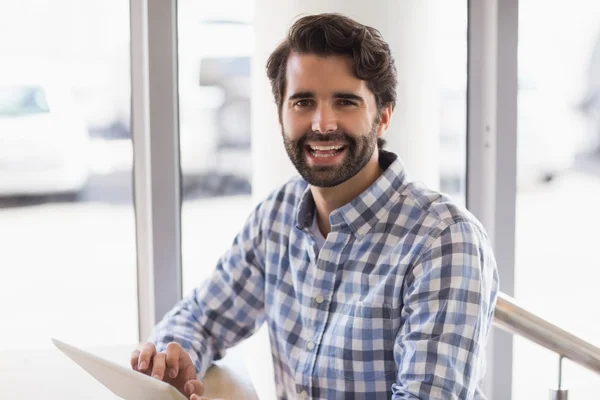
(303, 394)
(310, 345)
(319, 299)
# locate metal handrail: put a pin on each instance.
(515, 319)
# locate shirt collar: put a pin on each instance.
(364, 211)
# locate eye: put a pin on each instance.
(346, 103)
(303, 103)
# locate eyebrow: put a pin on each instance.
(337, 95)
(348, 96)
(301, 95)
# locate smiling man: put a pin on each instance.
(372, 286)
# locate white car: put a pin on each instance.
(44, 141)
(214, 93)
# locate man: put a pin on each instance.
(372, 286)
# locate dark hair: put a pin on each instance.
(335, 34)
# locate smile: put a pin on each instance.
(322, 151)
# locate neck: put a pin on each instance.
(328, 199)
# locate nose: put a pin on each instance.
(324, 120)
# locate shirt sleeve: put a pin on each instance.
(449, 299)
(227, 308)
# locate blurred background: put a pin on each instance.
(67, 227)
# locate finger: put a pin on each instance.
(148, 352)
(194, 387)
(135, 359)
(158, 367)
(173, 357)
(187, 370)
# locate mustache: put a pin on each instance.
(329, 137)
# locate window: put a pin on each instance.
(22, 100)
(67, 227)
(558, 183)
(451, 45)
(214, 106)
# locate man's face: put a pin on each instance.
(329, 119)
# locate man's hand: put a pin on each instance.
(174, 367)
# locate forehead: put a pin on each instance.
(309, 72)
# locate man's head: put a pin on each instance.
(334, 83)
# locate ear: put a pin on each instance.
(386, 119)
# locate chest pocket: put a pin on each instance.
(362, 342)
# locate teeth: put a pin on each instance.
(322, 155)
(325, 148)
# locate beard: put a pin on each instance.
(358, 152)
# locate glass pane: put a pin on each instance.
(558, 186)
(214, 106)
(67, 227)
(451, 42)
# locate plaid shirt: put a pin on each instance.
(397, 304)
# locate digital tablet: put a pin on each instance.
(122, 381)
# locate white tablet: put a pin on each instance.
(124, 382)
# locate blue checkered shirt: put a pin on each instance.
(398, 302)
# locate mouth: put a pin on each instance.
(325, 153)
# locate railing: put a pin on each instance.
(516, 320)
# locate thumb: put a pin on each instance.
(194, 386)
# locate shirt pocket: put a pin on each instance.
(362, 347)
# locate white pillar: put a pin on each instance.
(408, 26)
(492, 157)
(156, 164)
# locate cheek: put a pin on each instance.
(295, 127)
(354, 124)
